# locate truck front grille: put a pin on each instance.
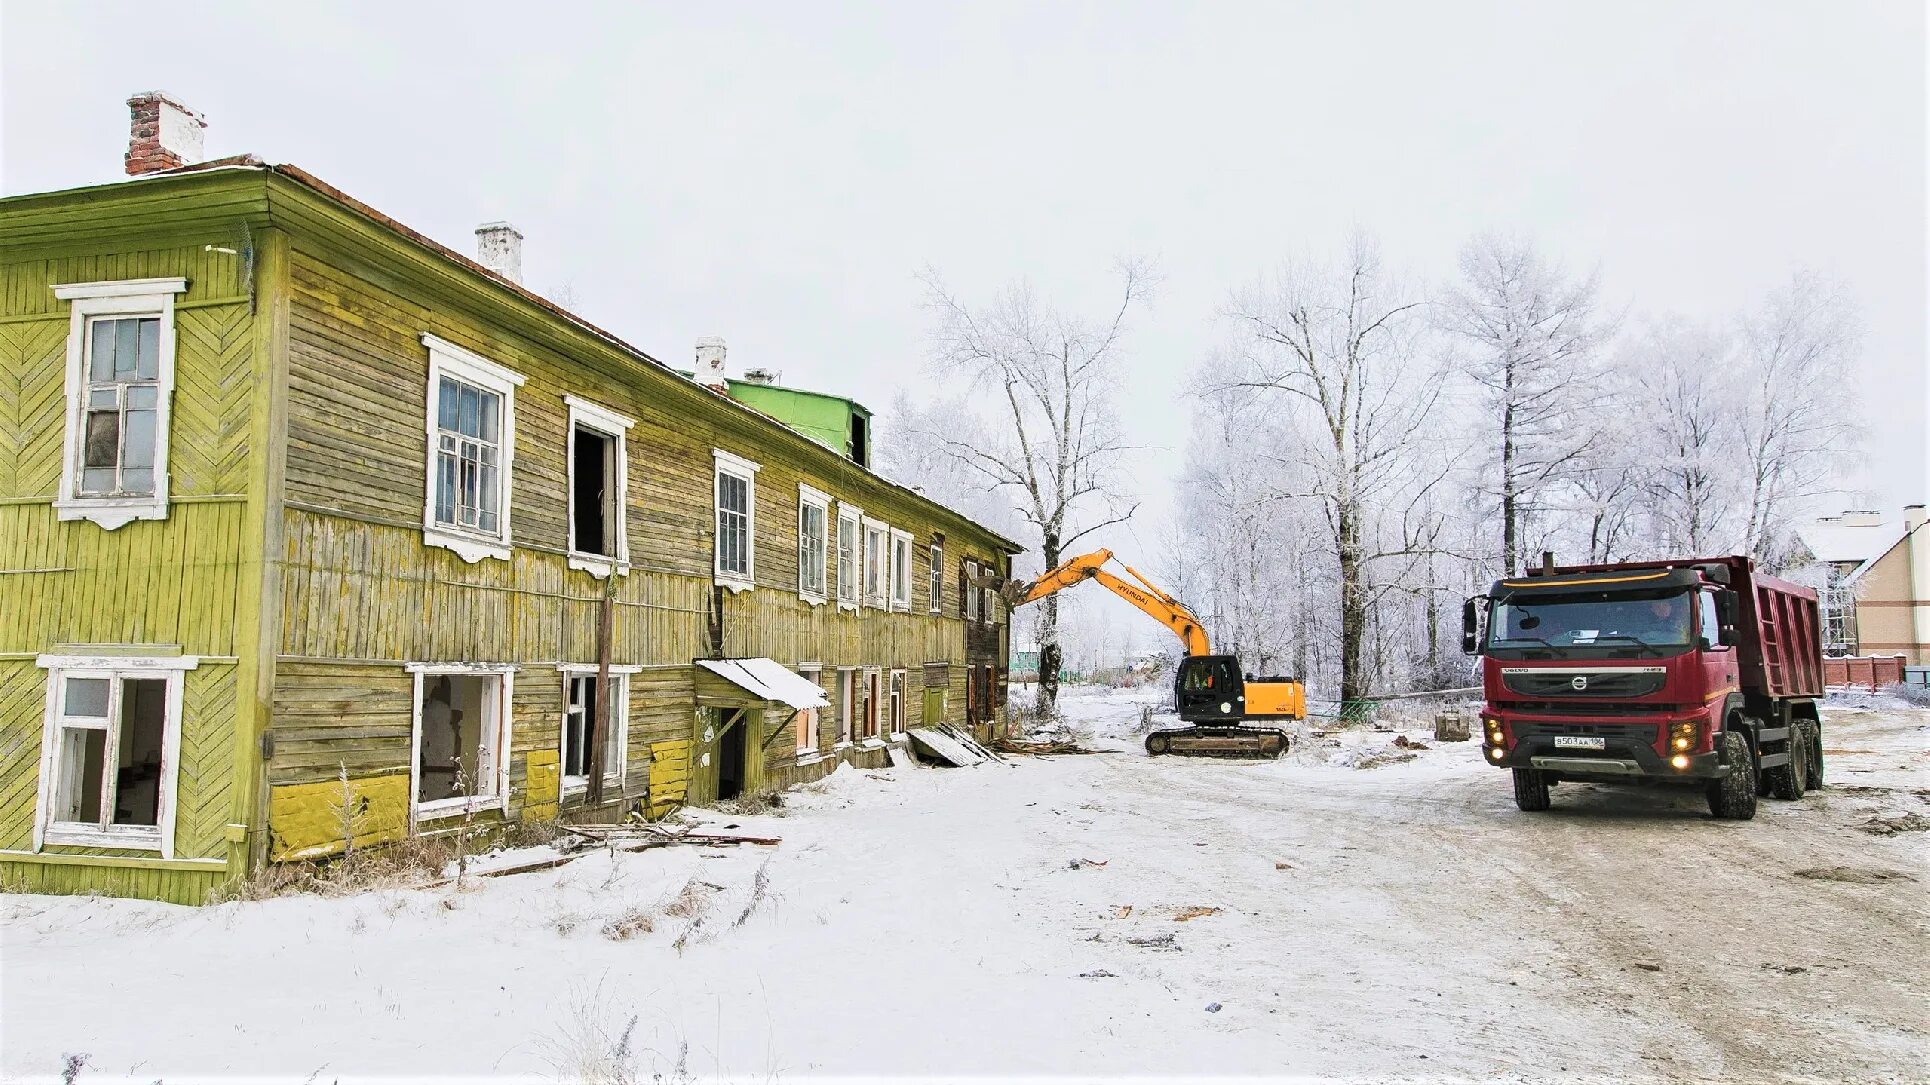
(1584, 682)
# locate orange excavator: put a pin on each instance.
(1211, 691)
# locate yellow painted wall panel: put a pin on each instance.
(307, 821)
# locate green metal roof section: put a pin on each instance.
(822, 417)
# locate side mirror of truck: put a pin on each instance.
(1470, 627)
(1726, 614)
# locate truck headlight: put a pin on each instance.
(1496, 753)
(1683, 734)
(1225, 707)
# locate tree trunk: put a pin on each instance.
(1050, 654)
(1510, 531)
(1353, 610)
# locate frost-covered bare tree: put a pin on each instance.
(1055, 446)
(1682, 391)
(1531, 334)
(1796, 417)
(1335, 349)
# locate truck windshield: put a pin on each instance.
(1596, 620)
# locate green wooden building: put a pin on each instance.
(289, 492)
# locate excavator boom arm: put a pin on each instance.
(1162, 607)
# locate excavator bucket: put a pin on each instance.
(1240, 743)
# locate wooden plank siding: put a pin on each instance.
(292, 556)
(173, 586)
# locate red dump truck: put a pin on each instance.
(1703, 672)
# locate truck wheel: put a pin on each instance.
(1531, 790)
(1814, 731)
(1733, 798)
(1791, 780)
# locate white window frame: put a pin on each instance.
(729, 463)
(969, 604)
(897, 688)
(601, 420)
(505, 673)
(807, 721)
(448, 359)
(871, 719)
(811, 497)
(156, 838)
(875, 542)
(570, 786)
(115, 298)
(847, 705)
(851, 588)
(896, 574)
(936, 575)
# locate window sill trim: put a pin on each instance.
(872, 744)
(814, 600)
(836, 746)
(843, 605)
(598, 565)
(809, 757)
(470, 548)
(442, 809)
(110, 513)
(74, 836)
(735, 584)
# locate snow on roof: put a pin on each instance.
(769, 680)
(1849, 537)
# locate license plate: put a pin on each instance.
(1580, 742)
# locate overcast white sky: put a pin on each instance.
(777, 174)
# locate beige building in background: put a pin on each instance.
(1877, 602)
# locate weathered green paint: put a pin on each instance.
(826, 419)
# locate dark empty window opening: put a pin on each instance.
(860, 440)
(592, 492)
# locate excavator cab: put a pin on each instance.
(1210, 689)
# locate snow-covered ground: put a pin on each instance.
(1078, 917)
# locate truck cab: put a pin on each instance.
(1700, 672)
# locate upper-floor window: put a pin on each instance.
(849, 555)
(968, 591)
(120, 383)
(599, 481)
(472, 445)
(877, 574)
(937, 575)
(900, 570)
(736, 482)
(110, 752)
(813, 511)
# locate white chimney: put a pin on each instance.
(499, 247)
(1862, 518)
(161, 135)
(710, 363)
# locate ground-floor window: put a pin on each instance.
(871, 702)
(581, 714)
(846, 703)
(461, 736)
(897, 702)
(110, 752)
(807, 718)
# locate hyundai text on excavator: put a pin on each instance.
(1210, 690)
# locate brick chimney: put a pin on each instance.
(710, 364)
(499, 247)
(162, 134)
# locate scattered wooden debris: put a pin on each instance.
(1282, 865)
(1194, 911)
(1078, 863)
(935, 743)
(1163, 942)
(1406, 743)
(643, 838)
(1122, 911)
(1037, 747)
(1097, 974)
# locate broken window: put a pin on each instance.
(848, 558)
(109, 744)
(471, 444)
(897, 702)
(872, 703)
(593, 492)
(123, 402)
(968, 591)
(120, 375)
(937, 575)
(580, 714)
(459, 739)
(736, 520)
(807, 718)
(900, 570)
(597, 485)
(877, 574)
(847, 697)
(812, 510)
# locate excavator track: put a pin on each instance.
(1234, 743)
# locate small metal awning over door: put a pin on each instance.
(769, 680)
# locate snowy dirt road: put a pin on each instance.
(1080, 916)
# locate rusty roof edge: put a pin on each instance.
(328, 191)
